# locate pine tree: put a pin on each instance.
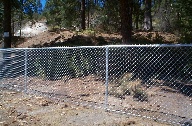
(126, 20)
(111, 20)
(147, 16)
(1, 23)
(66, 13)
(83, 14)
(7, 23)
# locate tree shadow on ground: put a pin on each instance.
(79, 40)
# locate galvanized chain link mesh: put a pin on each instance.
(12, 68)
(148, 81)
(74, 74)
(152, 82)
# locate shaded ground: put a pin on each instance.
(21, 109)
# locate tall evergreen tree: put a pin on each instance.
(66, 13)
(88, 12)
(137, 14)
(111, 20)
(83, 14)
(1, 23)
(183, 24)
(126, 20)
(147, 16)
(7, 23)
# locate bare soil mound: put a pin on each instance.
(70, 38)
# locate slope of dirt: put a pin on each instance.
(70, 38)
(155, 38)
(27, 110)
(45, 38)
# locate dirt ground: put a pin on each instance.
(80, 101)
(19, 109)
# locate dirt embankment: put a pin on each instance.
(91, 38)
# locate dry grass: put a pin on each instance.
(127, 85)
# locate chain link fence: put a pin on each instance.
(152, 81)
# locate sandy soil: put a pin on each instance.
(28, 110)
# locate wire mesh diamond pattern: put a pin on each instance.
(152, 81)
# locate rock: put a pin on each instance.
(187, 123)
(22, 116)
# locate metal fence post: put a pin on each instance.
(106, 77)
(25, 88)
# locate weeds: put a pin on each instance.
(127, 85)
(140, 95)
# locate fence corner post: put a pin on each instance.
(25, 86)
(106, 76)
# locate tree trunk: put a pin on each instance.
(20, 24)
(13, 27)
(7, 23)
(147, 16)
(137, 22)
(126, 20)
(137, 13)
(83, 14)
(88, 13)
(20, 19)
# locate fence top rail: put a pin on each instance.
(76, 47)
(153, 45)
